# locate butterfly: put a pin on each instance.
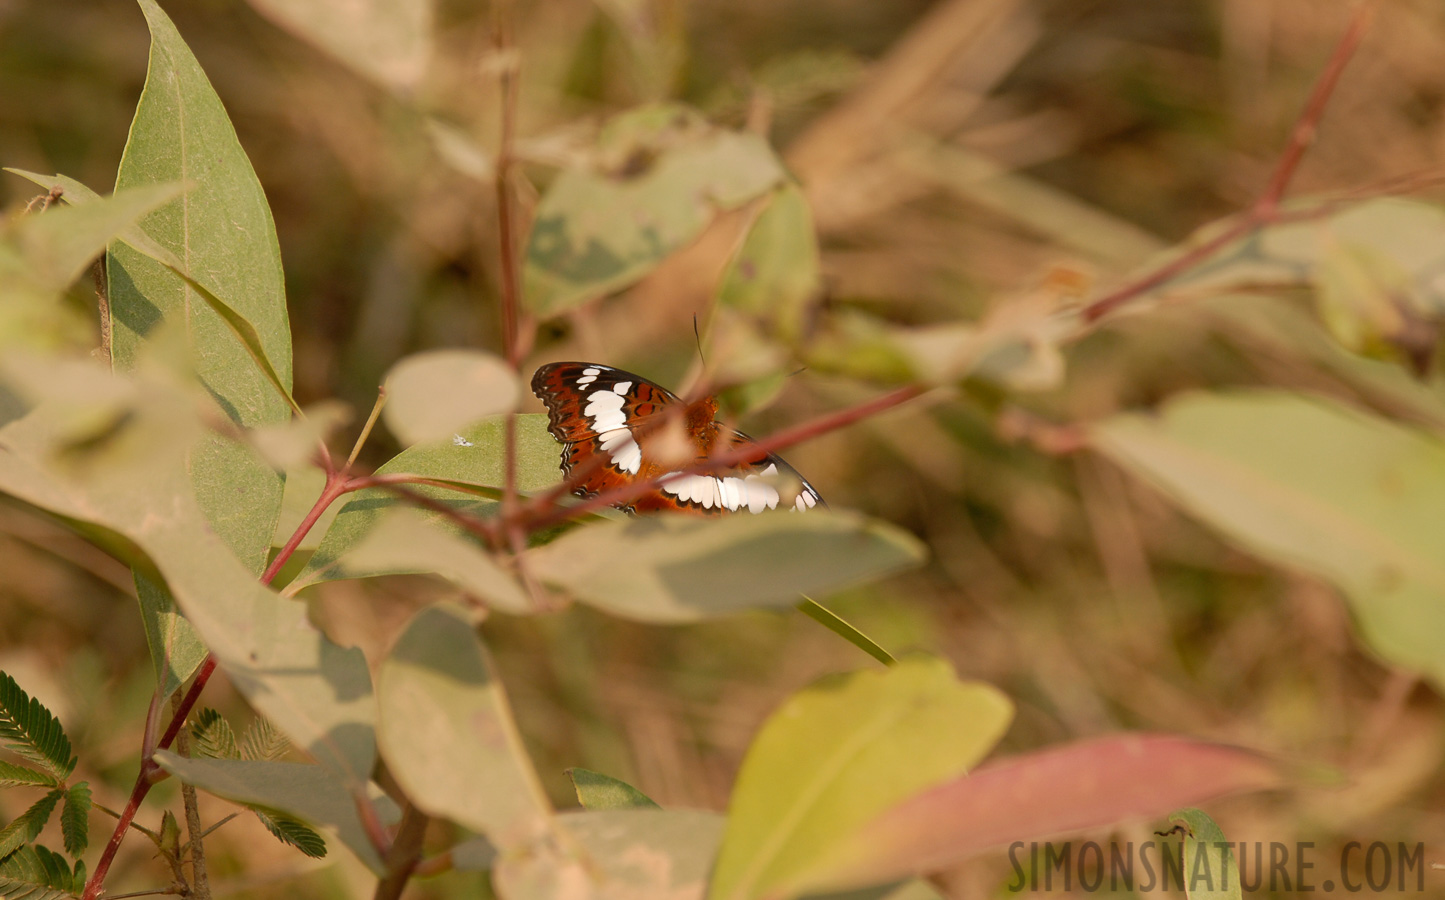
(599, 414)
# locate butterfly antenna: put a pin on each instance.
(697, 336)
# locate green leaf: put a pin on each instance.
(844, 629)
(390, 43)
(77, 194)
(263, 741)
(212, 737)
(26, 827)
(1209, 869)
(221, 231)
(473, 458)
(447, 734)
(74, 819)
(59, 244)
(292, 445)
(838, 754)
(175, 648)
(37, 873)
(777, 273)
(134, 483)
(596, 791)
(662, 175)
(682, 568)
(1083, 786)
(431, 396)
(30, 731)
(290, 830)
(1312, 485)
(168, 838)
(408, 541)
(634, 854)
(302, 790)
(12, 775)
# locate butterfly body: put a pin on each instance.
(617, 428)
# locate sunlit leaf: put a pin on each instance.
(1209, 869)
(596, 791)
(131, 479)
(388, 42)
(59, 243)
(662, 174)
(1075, 787)
(678, 569)
(433, 395)
(290, 445)
(447, 735)
(837, 755)
(408, 542)
(473, 457)
(308, 792)
(777, 272)
(636, 854)
(1313, 485)
(221, 230)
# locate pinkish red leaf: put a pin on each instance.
(1087, 785)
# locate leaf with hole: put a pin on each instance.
(661, 176)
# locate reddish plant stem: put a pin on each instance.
(151, 773)
(785, 438)
(1265, 210)
(506, 202)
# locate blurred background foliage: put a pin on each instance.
(957, 155)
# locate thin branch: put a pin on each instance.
(1307, 126)
(405, 853)
(200, 882)
(366, 429)
(506, 201)
(1265, 210)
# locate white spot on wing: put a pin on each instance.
(622, 387)
(593, 371)
(604, 408)
(623, 449)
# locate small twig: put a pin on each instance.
(405, 853)
(1265, 210)
(1307, 126)
(366, 429)
(200, 883)
(506, 208)
(223, 821)
(45, 200)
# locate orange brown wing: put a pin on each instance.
(591, 410)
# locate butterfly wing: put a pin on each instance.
(761, 482)
(591, 410)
